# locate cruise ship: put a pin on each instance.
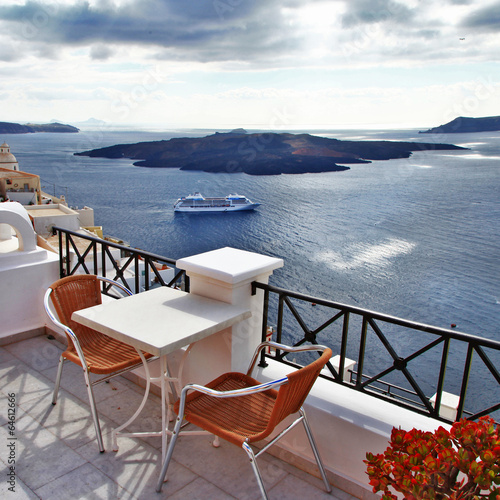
(198, 203)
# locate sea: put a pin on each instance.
(416, 238)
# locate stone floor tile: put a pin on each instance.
(69, 420)
(18, 378)
(136, 467)
(57, 455)
(10, 411)
(198, 454)
(293, 488)
(84, 482)
(199, 489)
(14, 488)
(40, 456)
(292, 467)
(4, 355)
(38, 352)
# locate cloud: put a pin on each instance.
(375, 11)
(252, 56)
(101, 52)
(245, 34)
(485, 18)
(192, 30)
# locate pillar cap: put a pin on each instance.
(230, 265)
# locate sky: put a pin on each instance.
(261, 64)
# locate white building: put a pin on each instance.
(7, 159)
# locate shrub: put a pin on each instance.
(463, 463)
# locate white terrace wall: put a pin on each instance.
(26, 271)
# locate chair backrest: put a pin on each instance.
(72, 294)
(291, 396)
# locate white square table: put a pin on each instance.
(159, 321)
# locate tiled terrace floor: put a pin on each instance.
(57, 456)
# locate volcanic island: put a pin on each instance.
(263, 153)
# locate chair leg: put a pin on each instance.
(93, 410)
(170, 451)
(255, 467)
(58, 379)
(315, 450)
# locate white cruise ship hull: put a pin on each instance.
(199, 204)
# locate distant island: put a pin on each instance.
(31, 128)
(464, 124)
(260, 153)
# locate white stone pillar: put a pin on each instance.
(226, 274)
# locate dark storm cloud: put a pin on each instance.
(169, 24)
(195, 30)
(80, 23)
(486, 18)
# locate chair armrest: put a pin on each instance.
(272, 384)
(115, 283)
(265, 386)
(282, 347)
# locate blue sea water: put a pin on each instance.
(416, 238)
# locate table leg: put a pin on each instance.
(165, 404)
(115, 432)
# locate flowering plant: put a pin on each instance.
(462, 463)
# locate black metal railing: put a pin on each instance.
(386, 350)
(92, 255)
(397, 360)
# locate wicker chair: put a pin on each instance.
(95, 352)
(241, 410)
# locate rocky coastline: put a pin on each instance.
(465, 125)
(31, 128)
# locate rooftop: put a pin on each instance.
(57, 456)
(6, 173)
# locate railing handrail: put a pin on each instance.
(436, 330)
(134, 254)
(397, 363)
(113, 244)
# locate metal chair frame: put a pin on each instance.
(86, 370)
(274, 384)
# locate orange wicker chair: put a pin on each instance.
(241, 410)
(95, 352)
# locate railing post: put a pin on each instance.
(442, 371)
(343, 345)
(465, 381)
(61, 261)
(265, 312)
(361, 356)
(68, 260)
(103, 258)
